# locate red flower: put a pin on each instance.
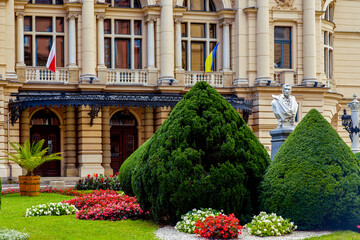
(88, 175)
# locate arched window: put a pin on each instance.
(45, 117)
(123, 118)
(200, 5)
(124, 3)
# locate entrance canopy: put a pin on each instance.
(27, 99)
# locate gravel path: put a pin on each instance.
(170, 233)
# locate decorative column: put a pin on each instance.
(226, 45)
(88, 54)
(73, 68)
(9, 45)
(101, 69)
(262, 44)
(167, 43)
(70, 143)
(150, 41)
(72, 40)
(20, 64)
(309, 42)
(178, 54)
(354, 105)
(20, 38)
(241, 46)
(106, 147)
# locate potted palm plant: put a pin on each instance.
(29, 157)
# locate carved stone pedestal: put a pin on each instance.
(278, 137)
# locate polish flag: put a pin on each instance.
(51, 59)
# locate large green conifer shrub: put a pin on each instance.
(204, 155)
(127, 168)
(314, 178)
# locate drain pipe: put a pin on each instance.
(8, 143)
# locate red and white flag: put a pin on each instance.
(51, 59)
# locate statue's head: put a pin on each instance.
(286, 89)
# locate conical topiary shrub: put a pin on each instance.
(314, 178)
(128, 167)
(204, 155)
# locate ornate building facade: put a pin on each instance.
(121, 65)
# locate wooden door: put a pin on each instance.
(51, 134)
(123, 144)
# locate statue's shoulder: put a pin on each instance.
(276, 96)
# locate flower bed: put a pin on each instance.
(106, 205)
(188, 220)
(97, 182)
(68, 192)
(219, 227)
(9, 191)
(50, 209)
(11, 234)
(270, 225)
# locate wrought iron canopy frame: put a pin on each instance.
(96, 100)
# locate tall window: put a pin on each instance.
(282, 47)
(124, 3)
(198, 40)
(328, 54)
(200, 5)
(123, 43)
(39, 34)
(329, 13)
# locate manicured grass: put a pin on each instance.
(342, 235)
(13, 209)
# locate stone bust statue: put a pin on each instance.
(285, 107)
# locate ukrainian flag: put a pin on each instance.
(210, 60)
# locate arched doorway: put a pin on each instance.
(123, 137)
(45, 125)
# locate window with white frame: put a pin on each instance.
(124, 3)
(328, 54)
(39, 35)
(200, 5)
(123, 43)
(197, 41)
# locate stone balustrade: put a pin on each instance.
(42, 74)
(127, 77)
(215, 79)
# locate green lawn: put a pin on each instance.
(342, 235)
(13, 209)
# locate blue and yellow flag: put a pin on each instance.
(210, 60)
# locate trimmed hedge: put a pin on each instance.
(203, 156)
(127, 168)
(314, 179)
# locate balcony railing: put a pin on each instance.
(42, 74)
(215, 79)
(128, 77)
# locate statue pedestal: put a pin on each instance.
(278, 137)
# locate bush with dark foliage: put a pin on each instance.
(127, 169)
(203, 156)
(314, 179)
